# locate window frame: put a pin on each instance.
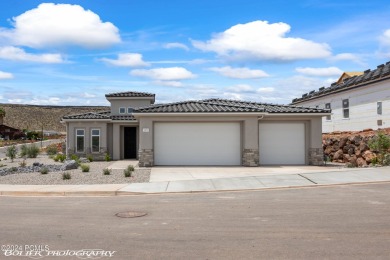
(77, 140)
(92, 136)
(379, 108)
(124, 110)
(130, 110)
(345, 108)
(328, 106)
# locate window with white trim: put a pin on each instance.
(95, 140)
(129, 110)
(328, 106)
(122, 110)
(379, 108)
(80, 137)
(345, 108)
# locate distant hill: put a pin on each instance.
(32, 117)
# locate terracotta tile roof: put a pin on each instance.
(382, 72)
(130, 94)
(225, 106)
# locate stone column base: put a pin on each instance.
(250, 157)
(316, 156)
(145, 158)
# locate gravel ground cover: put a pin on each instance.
(94, 176)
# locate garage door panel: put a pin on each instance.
(282, 143)
(197, 143)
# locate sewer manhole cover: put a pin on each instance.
(131, 214)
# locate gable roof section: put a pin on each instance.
(382, 72)
(90, 115)
(224, 106)
(130, 94)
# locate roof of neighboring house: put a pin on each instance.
(130, 94)
(349, 74)
(224, 106)
(382, 72)
(2, 126)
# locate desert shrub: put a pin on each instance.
(128, 172)
(90, 158)
(130, 168)
(60, 157)
(107, 157)
(30, 151)
(14, 169)
(380, 143)
(66, 176)
(74, 157)
(106, 171)
(386, 159)
(44, 170)
(84, 167)
(51, 149)
(11, 152)
(23, 163)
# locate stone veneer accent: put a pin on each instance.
(250, 157)
(316, 156)
(145, 158)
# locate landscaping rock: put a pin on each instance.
(368, 156)
(361, 162)
(84, 160)
(338, 155)
(69, 165)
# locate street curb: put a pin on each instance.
(126, 193)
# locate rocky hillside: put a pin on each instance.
(350, 147)
(33, 117)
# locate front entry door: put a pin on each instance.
(130, 146)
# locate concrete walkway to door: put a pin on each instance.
(160, 173)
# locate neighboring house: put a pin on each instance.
(204, 132)
(358, 101)
(10, 133)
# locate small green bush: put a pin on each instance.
(107, 157)
(52, 149)
(130, 168)
(11, 152)
(14, 169)
(66, 176)
(23, 150)
(84, 167)
(60, 157)
(106, 171)
(23, 163)
(74, 157)
(44, 170)
(127, 173)
(90, 158)
(386, 159)
(380, 143)
(30, 151)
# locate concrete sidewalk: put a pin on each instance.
(353, 176)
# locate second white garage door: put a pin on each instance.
(197, 144)
(282, 143)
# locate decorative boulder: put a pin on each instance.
(368, 156)
(69, 165)
(37, 164)
(338, 155)
(361, 162)
(84, 160)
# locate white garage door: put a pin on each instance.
(197, 144)
(282, 143)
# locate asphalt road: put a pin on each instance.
(339, 222)
(3, 150)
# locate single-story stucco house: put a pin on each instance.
(204, 132)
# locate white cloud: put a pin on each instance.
(170, 83)
(385, 38)
(127, 60)
(347, 57)
(87, 95)
(61, 24)
(164, 74)
(265, 90)
(6, 75)
(320, 72)
(176, 45)
(240, 73)
(260, 40)
(241, 88)
(18, 54)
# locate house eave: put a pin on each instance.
(202, 114)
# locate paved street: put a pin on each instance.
(339, 222)
(3, 150)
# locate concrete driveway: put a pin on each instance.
(160, 174)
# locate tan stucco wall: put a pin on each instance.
(249, 130)
(116, 104)
(118, 139)
(87, 126)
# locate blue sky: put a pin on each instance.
(74, 52)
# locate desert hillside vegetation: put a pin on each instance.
(33, 117)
